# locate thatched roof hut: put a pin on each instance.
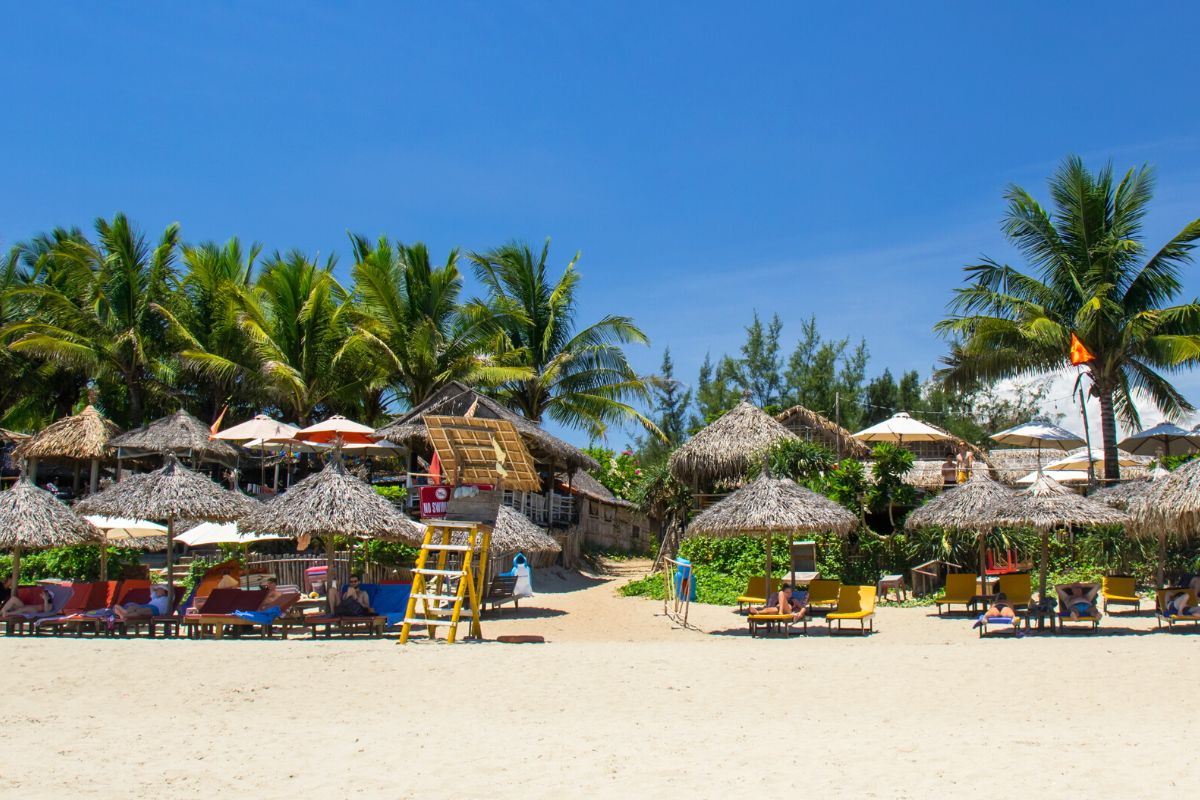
(513, 532)
(82, 437)
(1047, 505)
(459, 400)
(181, 434)
(1171, 506)
(768, 505)
(172, 492)
(331, 502)
(723, 451)
(812, 427)
(971, 506)
(33, 519)
(1122, 494)
(585, 484)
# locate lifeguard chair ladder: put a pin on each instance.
(446, 575)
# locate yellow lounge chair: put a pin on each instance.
(823, 593)
(1018, 588)
(1064, 613)
(756, 592)
(854, 602)
(1160, 604)
(960, 590)
(1119, 590)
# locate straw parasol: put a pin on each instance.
(515, 532)
(1164, 439)
(1171, 506)
(1120, 495)
(173, 493)
(82, 437)
(181, 434)
(771, 505)
(970, 506)
(1047, 505)
(328, 503)
(33, 519)
(724, 450)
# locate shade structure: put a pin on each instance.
(259, 427)
(724, 450)
(1041, 434)
(33, 519)
(1164, 439)
(1122, 494)
(207, 533)
(172, 493)
(1080, 460)
(284, 446)
(332, 503)
(1047, 505)
(901, 428)
(1060, 475)
(337, 428)
(128, 532)
(514, 532)
(970, 506)
(1169, 508)
(82, 437)
(180, 434)
(380, 447)
(772, 505)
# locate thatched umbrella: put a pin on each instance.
(1047, 505)
(181, 434)
(1171, 506)
(970, 506)
(33, 519)
(1120, 495)
(772, 505)
(172, 493)
(328, 503)
(82, 437)
(724, 450)
(514, 532)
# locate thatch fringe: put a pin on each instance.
(32, 519)
(772, 505)
(181, 434)
(1121, 495)
(811, 426)
(1046, 504)
(171, 492)
(970, 506)
(1170, 507)
(723, 451)
(84, 436)
(513, 533)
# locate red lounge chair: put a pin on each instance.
(85, 597)
(123, 593)
(214, 615)
(20, 623)
(169, 623)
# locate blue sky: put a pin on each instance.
(708, 161)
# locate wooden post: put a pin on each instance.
(16, 569)
(1045, 563)
(76, 478)
(94, 478)
(331, 573)
(104, 555)
(170, 561)
(31, 465)
(1162, 559)
(982, 566)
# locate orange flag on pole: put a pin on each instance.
(1079, 353)
(216, 426)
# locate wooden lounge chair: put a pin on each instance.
(501, 592)
(1162, 597)
(19, 624)
(769, 622)
(757, 591)
(1064, 612)
(960, 590)
(854, 603)
(823, 593)
(84, 597)
(986, 625)
(129, 591)
(214, 615)
(169, 623)
(1120, 590)
(1018, 588)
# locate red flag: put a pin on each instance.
(435, 468)
(1079, 353)
(216, 426)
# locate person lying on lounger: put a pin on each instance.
(1178, 606)
(788, 600)
(1000, 607)
(271, 586)
(1078, 600)
(355, 602)
(14, 604)
(158, 606)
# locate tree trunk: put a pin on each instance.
(135, 402)
(1108, 432)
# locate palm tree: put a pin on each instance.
(578, 378)
(295, 318)
(203, 322)
(408, 320)
(1090, 276)
(92, 309)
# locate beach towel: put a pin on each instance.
(992, 621)
(389, 600)
(266, 616)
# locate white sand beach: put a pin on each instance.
(617, 703)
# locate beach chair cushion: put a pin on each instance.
(854, 602)
(30, 595)
(823, 592)
(960, 588)
(1018, 587)
(756, 590)
(1119, 588)
(389, 600)
(226, 601)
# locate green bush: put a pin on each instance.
(79, 562)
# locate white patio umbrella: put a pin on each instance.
(220, 533)
(1060, 475)
(121, 529)
(1164, 439)
(901, 428)
(1039, 433)
(1080, 460)
(383, 447)
(260, 427)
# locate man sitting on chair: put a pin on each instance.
(355, 602)
(788, 601)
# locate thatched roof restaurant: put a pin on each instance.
(768, 505)
(181, 434)
(459, 400)
(82, 437)
(812, 427)
(722, 452)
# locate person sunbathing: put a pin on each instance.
(1079, 600)
(1178, 606)
(271, 586)
(158, 606)
(1000, 607)
(15, 605)
(787, 601)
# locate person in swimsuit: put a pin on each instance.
(788, 600)
(1079, 600)
(1178, 606)
(157, 607)
(1000, 607)
(14, 604)
(355, 602)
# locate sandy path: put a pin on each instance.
(618, 703)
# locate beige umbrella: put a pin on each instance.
(724, 450)
(129, 532)
(772, 505)
(970, 506)
(33, 519)
(172, 493)
(901, 428)
(332, 503)
(82, 437)
(1081, 459)
(260, 427)
(1170, 507)
(1047, 505)
(1164, 439)
(1039, 433)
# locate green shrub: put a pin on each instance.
(80, 562)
